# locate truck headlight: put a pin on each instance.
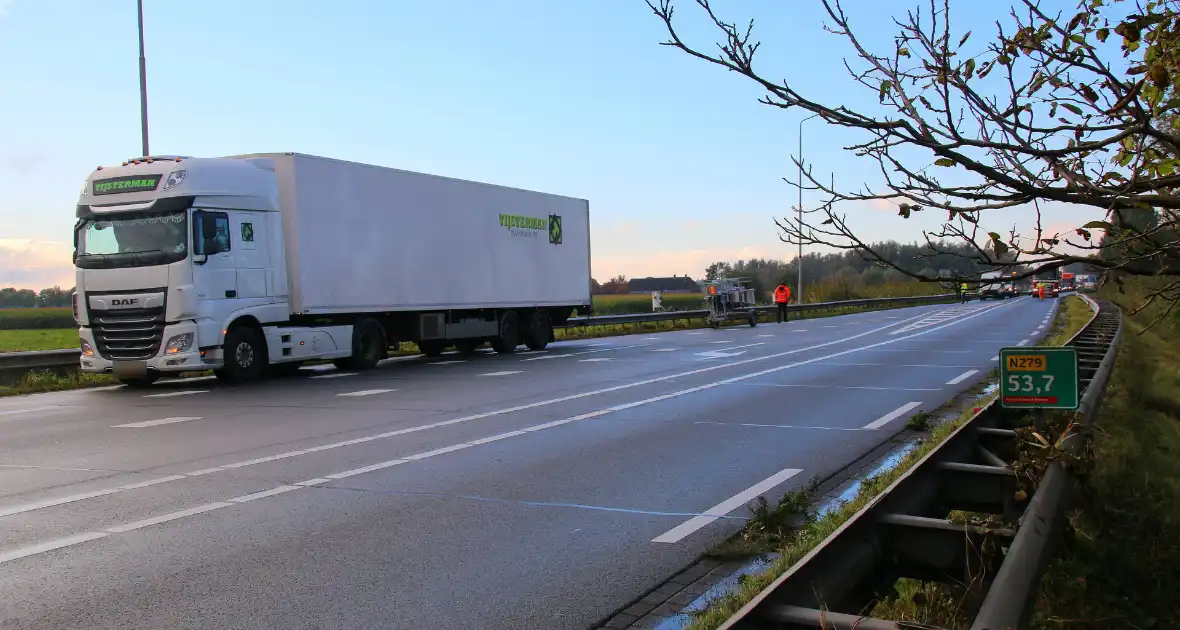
(179, 343)
(87, 349)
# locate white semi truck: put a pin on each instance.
(252, 264)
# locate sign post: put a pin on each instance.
(1039, 378)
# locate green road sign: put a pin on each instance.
(1039, 378)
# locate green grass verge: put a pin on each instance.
(29, 340)
(915, 601)
(36, 318)
(1119, 566)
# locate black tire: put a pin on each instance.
(432, 347)
(753, 318)
(540, 331)
(509, 337)
(140, 383)
(368, 346)
(245, 355)
(468, 347)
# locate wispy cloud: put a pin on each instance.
(5, 5)
(35, 264)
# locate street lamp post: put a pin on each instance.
(143, 114)
(800, 208)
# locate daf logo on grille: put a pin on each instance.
(124, 301)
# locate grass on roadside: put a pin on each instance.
(1119, 565)
(38, 381)
(38, 339)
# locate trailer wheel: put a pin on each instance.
(540, 331)
(245, 355)
(432, 347)
(509, 337)
(753, 318)
(368, 346)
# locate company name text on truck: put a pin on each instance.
(257, 263)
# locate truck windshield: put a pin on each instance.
(132, 240)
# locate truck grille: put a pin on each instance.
(133, 334)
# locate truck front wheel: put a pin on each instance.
(245, 355)
(509, 337)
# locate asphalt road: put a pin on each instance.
(541, 490)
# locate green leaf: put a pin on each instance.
(1083, 233)
(944, 162)
(1077, 38)
(1050, 241)
(1097, 225)
(904, 52)
(1089, 93)
(969, 69)
(1073, 108)
(1102, 34)
(1125, 158)
(886, 86)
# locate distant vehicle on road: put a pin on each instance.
(253, 263)
(991, 287)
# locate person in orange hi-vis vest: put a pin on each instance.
(782, 295)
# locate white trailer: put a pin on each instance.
(253, 263)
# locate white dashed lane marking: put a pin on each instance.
(503, 373)
(335, 375)
(891, 416)
(368, 392)
(187, 392)
(155, 423)
(962, 377)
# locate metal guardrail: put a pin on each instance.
(13, 364)
(638, 318)
(905, 532)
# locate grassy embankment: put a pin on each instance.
(792, 530)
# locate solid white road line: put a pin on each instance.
(164, 518)
(665, 350)
(891, 416)
(595, 360)
(683, 530)
(884, 389)
(187, 392)
(16, 412)
(335, 375)
(962, 377)
(544, 403)
(1024, 342)
(265, 493)
(504, 373)
(368, 392)
(447, 362)
(33, 550)
(155, 423)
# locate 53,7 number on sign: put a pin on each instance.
(1029, 383)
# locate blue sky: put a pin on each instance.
(681, 165)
